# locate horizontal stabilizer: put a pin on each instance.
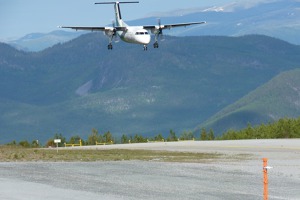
(114, 2)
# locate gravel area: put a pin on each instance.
(220, 179)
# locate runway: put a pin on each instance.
(227, 146)
(216, 180)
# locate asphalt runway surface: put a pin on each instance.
(216, 180)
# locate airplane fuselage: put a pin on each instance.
(135, 35)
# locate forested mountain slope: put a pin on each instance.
(74, 87)
(278, 98)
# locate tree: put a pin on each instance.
(24, 143)
(74, 139)
(203, 134)
(124, 139)
(13, 143)
(211, 135)
(35, 144)
(108, 138)
(138, 139)
(187, 135)
(159, 137)
(229, 135)
(93, 138)
(248, 133)
(172, 136)
(50, 143)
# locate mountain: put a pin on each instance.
(73, 87)
(278, 98)
(41, 41)
(276, 18)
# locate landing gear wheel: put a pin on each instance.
(145, 48)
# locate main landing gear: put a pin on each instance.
(155, 45)
(110, 46)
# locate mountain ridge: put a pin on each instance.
(129, 91)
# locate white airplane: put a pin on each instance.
(131, 34)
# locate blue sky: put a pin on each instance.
(20, 17)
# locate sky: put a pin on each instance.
(20, 17)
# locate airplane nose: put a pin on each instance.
(148, 39)
(145, 39)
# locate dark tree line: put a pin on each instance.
(283, 128)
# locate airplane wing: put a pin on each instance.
(151, 27)
(86, 28)
(169, 26)
(95, 28)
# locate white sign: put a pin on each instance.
(57, 141)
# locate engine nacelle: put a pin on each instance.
(110, 32)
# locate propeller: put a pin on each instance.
(115, 36)
(160, 30)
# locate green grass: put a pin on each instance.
(18, 154)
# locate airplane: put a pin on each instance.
(132, 34)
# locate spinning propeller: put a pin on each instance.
(160, 30)
(115, 36)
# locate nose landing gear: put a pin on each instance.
(145, 48)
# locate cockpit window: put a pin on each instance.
(141, 33)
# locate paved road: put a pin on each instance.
(155, 180)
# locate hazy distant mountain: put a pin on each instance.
(276, 18)
(41, 41)
(79, 85)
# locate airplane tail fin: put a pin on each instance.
(119, 20)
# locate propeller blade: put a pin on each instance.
(159, 27)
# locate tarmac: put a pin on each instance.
(219, 179)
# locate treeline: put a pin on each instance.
(25, 143)
(106, 138)
(283, 128)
